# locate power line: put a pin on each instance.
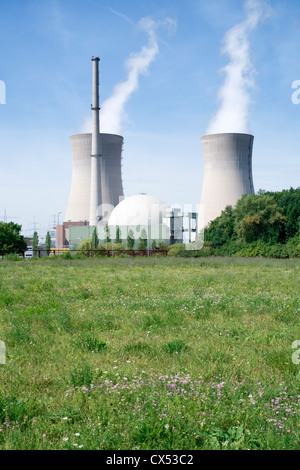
(5, 217)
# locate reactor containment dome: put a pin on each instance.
(138, 213)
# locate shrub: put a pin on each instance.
(122, 255)
(85, 246)
(178, 249)
(12, 257)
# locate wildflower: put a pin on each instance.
(65, 438)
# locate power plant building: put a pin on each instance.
(97, 199)
(96, 186)
(141, 213)
(227, 161)
(109, 175)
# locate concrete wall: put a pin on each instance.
(78, 208)
(227, 160)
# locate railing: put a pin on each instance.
(42, 252)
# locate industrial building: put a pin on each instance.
(140, 213)
(109, 176)
(96, 186)
(96, 196)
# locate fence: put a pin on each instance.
(41, 253)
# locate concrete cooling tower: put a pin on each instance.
(109, 174)
(227, 160)
(78, 208)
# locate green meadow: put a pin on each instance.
(152, 353)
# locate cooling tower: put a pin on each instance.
(78, 208)
(109, 174)
(227, 161)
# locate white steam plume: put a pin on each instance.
(234, 94)
(113, 108)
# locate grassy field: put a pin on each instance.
(149, 354)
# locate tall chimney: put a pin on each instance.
(95, 195)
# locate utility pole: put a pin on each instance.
(57, 228)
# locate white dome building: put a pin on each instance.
(141, 213)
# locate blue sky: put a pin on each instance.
(45, 63)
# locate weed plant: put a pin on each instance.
(161, 353)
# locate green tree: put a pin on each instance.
(107, 234)
(95, 239)
(289, 203)
(35, 243)
(130, 240)
(222, 229)
(11, 241)
(257, 217)
(262, 224)
(118, 239)
(48, 242)
(143, 240)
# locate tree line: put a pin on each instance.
(263, 224)
(118, 243)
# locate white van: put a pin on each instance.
(28, 252)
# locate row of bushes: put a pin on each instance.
(241, 249)
(255, 249)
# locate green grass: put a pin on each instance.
(149, 354)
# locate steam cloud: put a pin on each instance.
(234, 94)
(113, 108)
